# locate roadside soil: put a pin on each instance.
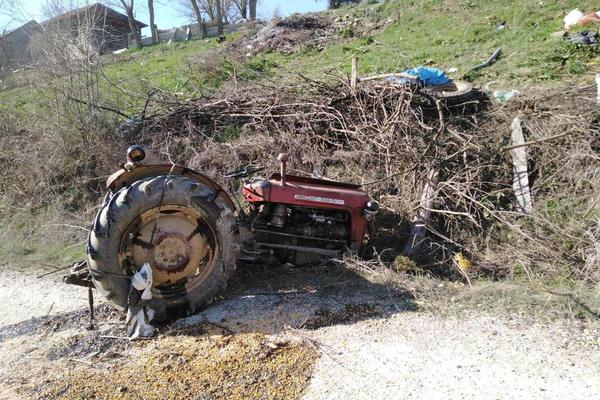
(286, 333)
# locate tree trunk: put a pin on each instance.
(243, 7)
(253, 10)
(153, 30)
(210, 10)
(199, 18)
(219, 18)
(134, 30)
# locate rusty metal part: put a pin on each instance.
(79, 275)
(171, 252)
(313, 250)
(283, 159)
(173, 239)
(134, 171)
(91, 326)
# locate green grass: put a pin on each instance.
(170, 68)
(460, 34)
(445, 34)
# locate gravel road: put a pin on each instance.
(371, 344)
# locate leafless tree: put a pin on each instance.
(128, 7)
(203, 10)
(199, 18)
(242, 7)
(219, 17)
(54, 8)
(9, 13)
(153, 29)
(253, 9)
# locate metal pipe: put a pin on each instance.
(313, 250)
(283, 158)
(297, 236)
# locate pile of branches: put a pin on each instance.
(394, 141)
(288, 35)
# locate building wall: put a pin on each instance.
(113, 36)
(15, 49)
(107, 33)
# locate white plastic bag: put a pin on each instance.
(138, 314)
(138, 325)
(142, 280)
(573, 18)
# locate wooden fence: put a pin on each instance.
(187, 32)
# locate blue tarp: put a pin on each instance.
(428, 76)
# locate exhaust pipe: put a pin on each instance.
(283, 159)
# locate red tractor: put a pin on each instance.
(190, 232)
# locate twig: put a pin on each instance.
(99, 107)
(516, 146)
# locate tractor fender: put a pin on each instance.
(125, 177)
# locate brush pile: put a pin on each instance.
(289, 35)
(394, 140)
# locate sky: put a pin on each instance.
(168, 13)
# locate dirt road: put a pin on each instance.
(320, 334)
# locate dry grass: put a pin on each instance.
(391, 139)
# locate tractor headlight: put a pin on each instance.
(136, 153)
(371, 209)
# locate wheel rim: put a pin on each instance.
(177, 242)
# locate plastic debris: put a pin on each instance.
(452, 70)
(142, 281)
(577, 18)
(428, 76)
(505, 95)
(573, 18)
(139, 314)
(592, 17)
(587, 38)
(463, 262)
(490, 61)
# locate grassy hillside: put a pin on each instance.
(403, 34)
(386, 37)
(461, 34)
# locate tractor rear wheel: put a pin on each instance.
(180, 227)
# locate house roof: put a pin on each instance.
(96, 9)
(27, 28)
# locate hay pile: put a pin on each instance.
(393, 141)
(244, 366)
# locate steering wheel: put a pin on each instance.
(248, 170)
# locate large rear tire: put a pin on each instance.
(180, 227)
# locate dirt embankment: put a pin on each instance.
(320, 333)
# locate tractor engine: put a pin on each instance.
(302, 219)
(289, 229)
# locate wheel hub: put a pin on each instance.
(173, 239)
(171, 252)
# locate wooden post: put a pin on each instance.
(520, 172)
(172, 39)
(354, 74)
(418, 227)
